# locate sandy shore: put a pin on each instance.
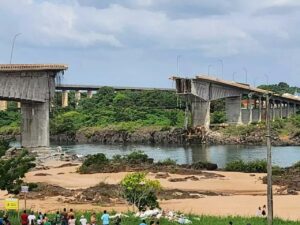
(244, 193)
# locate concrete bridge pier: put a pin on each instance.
(3, 105)
(89, 94)
(233, 110)
(65, 99)
(200, 113)
(77, 97)
(35, 124)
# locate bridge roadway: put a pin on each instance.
(200, 91)
(76, 87)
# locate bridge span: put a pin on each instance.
(200, 91)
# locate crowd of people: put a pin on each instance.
(64, 218)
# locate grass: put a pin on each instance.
(196, 220)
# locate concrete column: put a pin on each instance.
(3, 105)
(233, 110)
(200, 113)
(259, 109)
(250, 107)
(273, 110)
(281, 114)
(35, 125)
(77, 97)
(89, 94)
(294, 108)
(288, 110)
(18, 105)
(65, 99)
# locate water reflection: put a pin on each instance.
(282, 156)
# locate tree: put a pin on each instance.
(13, 170)
(140, 191)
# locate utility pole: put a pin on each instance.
(269, 163)
(208, 69)
(13, 46)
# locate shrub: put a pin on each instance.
(94, 163)
(13, 170)
(257, 166)
(4, 145)
(218, 117)
(140, 191)
(137, 157)
(204, 165)
(167, 162)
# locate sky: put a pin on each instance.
(139, 42)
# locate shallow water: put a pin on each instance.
(282, 156)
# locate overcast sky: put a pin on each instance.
(136, 42)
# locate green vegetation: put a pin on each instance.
(257, 166)
(196, 220)
(13, 170)
(4, 145)
(122, 110)
(140, 191)
(138, 161)
(280, 88)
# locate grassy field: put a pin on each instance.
(196, 220)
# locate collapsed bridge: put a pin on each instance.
(34, 86)
(200, 91)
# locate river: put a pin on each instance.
(282, 156)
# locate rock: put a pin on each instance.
(42, 174)
(176, 179)
(193, 178)
(162, 175)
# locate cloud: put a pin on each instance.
(216, 28)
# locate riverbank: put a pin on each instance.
(236, 193)
(176, 136)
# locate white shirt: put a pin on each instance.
(83, 221)
(31, 218)
(72, 221)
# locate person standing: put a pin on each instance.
(105, 218)
(93, 219)
(83, 220)
(24, 218)
(31, 218)
(64, 217)
(264, 211)
(57, 219)
(72, 220)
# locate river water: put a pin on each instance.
(222, 154)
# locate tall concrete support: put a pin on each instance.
(200, 113)
(34, 86)
(35, 124)
(281, 114)
(288, 110)
(77, 97)
(19, 105)
(250, 107)
(294, 108)
(259, 109)
(3, 105)
(233, 110)
(89, 94)
(65, 99)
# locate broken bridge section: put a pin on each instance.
(243, 104)
(34, 86)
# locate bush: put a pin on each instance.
(140, 191)
(167, 162)
(218, 117)
(204, 165)
(13, 170)
(257, 166)
(4, 145)
(94, 163)
(137, 157)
